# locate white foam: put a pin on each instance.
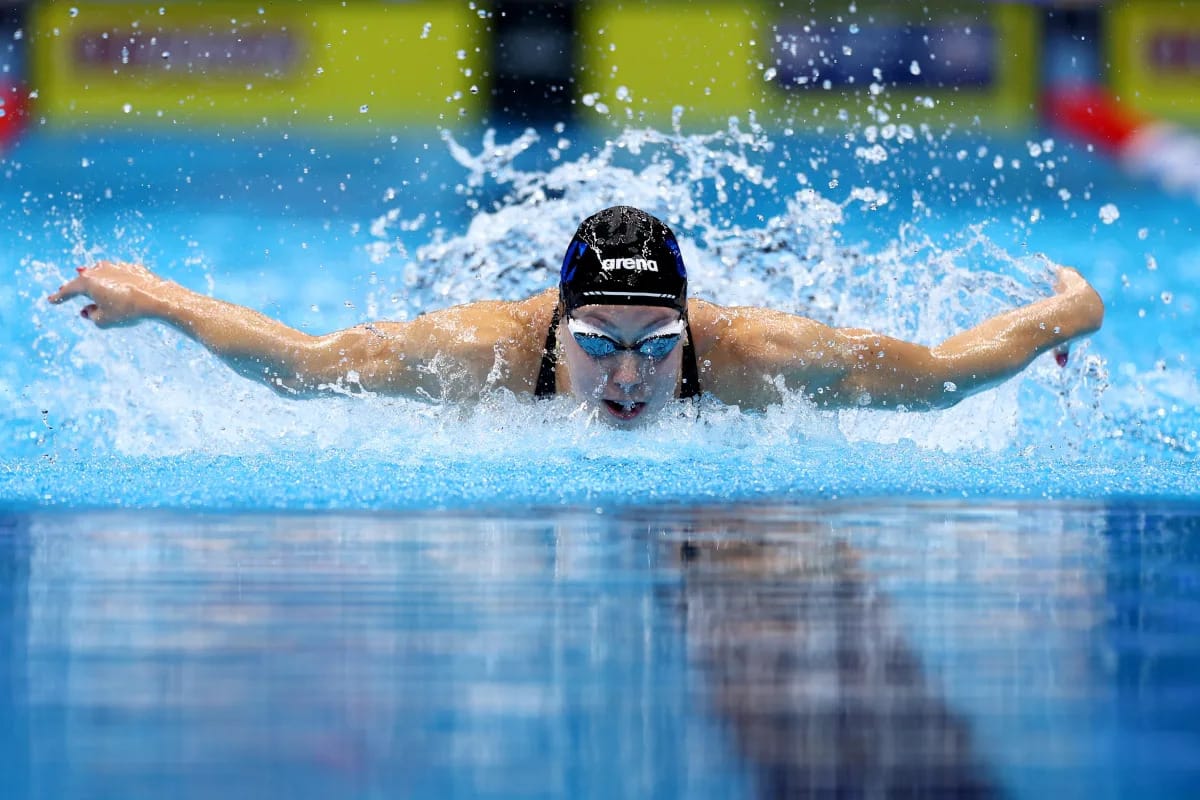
(149, 391)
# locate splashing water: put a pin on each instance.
(145, 401)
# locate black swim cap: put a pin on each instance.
(623, 256)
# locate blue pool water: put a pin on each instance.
(206, 589)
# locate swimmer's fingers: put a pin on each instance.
(72, 288)
(104, 282)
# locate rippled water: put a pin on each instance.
(1040, 650)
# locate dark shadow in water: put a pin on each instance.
(802, 659)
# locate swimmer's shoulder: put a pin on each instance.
(500, 320)
(739, 348)
(733, 329)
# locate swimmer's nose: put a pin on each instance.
(628, 373)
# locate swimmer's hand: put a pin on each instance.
(121, 294)
(1070, 284)
(1082, 308)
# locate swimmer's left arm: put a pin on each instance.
(853, 367)
(883, 372)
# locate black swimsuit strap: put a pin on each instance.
(547, 385)
(689, 386)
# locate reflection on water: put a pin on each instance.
(824, 694)
(848, 650)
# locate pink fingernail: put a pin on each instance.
(84, 313)
(80, 269)
(1060, 356)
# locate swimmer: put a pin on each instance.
(619, 335)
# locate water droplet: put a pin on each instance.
(769, 75)
(425, 30)
(914, 67)
(73, 12)
(364, 108)
(127, 107)
(949, 386)
(1167, 297)
(1143, 233)
(1109, 213)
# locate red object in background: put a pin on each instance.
(14, 103)
(1092, 114)
(1143, 146)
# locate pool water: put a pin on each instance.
(1027, 649)
(211, 589)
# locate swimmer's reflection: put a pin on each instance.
(822, 694)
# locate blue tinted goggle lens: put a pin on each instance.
(596, 345)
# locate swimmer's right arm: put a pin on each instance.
(441, 355)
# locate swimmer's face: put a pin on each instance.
(625, 387)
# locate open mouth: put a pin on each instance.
(624, 410)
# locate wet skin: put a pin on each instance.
(626, 388)
(748, 356)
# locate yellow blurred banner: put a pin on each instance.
(1154, 49)
(364, 64)
(814, 61)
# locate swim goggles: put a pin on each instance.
(655, 345)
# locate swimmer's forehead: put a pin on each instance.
(626, 317)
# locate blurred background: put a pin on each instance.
(370, 66)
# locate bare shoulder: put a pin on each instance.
(490, 321)
(751, 331)
(743, 350)
(496, 338)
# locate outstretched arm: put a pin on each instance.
(853, 367)
(450, 353)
